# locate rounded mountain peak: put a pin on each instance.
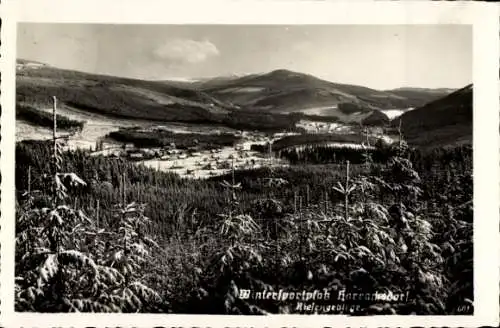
(283, 73)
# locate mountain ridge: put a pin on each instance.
(284, 90)
(259, 98)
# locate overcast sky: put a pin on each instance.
(377, 56)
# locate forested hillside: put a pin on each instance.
(444, 121)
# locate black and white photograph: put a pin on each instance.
(247, 169)
(244, 169)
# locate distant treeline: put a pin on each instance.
(266, 122)
(272, 122)
(161, 138)
(351, 108)
(316, 118)
(423, 159)
(318, 154)
(38, 117)
(319, 138)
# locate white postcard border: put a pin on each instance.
(484, 18)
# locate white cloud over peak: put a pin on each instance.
(186, 51)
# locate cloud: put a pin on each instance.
(180, 51)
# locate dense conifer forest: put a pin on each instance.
(102, 234)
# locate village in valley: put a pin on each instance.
(254, 149)
(194, 161)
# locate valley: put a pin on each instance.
(37, 80)
(192, 162)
